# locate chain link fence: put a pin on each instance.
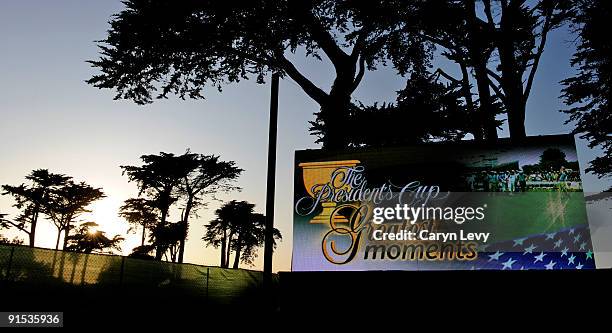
(45, 269)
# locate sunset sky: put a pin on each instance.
(52, 119)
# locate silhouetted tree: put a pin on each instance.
(589, 92)
(14, 241)
(139, 212)
(32, 199)
(155, 48)
(168, 178)
(217, 232)
(237, 228)
(157, 178)
(498, 42)
(456, 28)
(167, 239)
(520, 36)
(425, 110)
(4, 240)
(205, 175)
(88, 239)
(251, 238)
(143, 252)
(552, 158)
(68, 202)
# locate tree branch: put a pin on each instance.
(359, 44)
(360, 74)
(536, 61)
(310, 88)
(489, 13)
(327, 43)
(465, 87)
(21, 228)
(439, 41)
(494, 75)
(447, 76)
(497, 91)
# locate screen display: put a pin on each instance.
(449, 206)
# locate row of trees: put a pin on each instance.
(166, 183)
(62, 201)
(56, 196)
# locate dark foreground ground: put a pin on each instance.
(335, 296)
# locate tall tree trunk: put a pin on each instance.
(512, 77)
(476, 129)
(336, 111)
(334, 116)
(516, 121)
(59, 235)
(228, 251)
(33, 222)
(144, 231)
(487, 112)
(186, 214)
(513, 89)
(479, 55)
(237, 252)
(223, 247)
(173, 253)
(159, 249)
(66, 233)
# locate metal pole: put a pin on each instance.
(122, 271)
(270, 187)
(207, 277)
(10, 263)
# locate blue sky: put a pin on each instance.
(52, 119)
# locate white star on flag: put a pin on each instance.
(508, 263)
(519, 241)
(529, 249)
(540, 257)
(495, 256)
(564, 252)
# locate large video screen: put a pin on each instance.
(442, 206)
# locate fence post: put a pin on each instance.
(207, 275)
(10, 263)
(121, 271)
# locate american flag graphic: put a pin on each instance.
(569, 248)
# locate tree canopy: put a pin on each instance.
(425, 110)
(497, 45)
(239, 229)
(157, 178)
(32, 199)
(157, 48)
(589, 93)
(139, 212)
(552, 158)
(88, 239)
(67, 203)
(168, 179)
